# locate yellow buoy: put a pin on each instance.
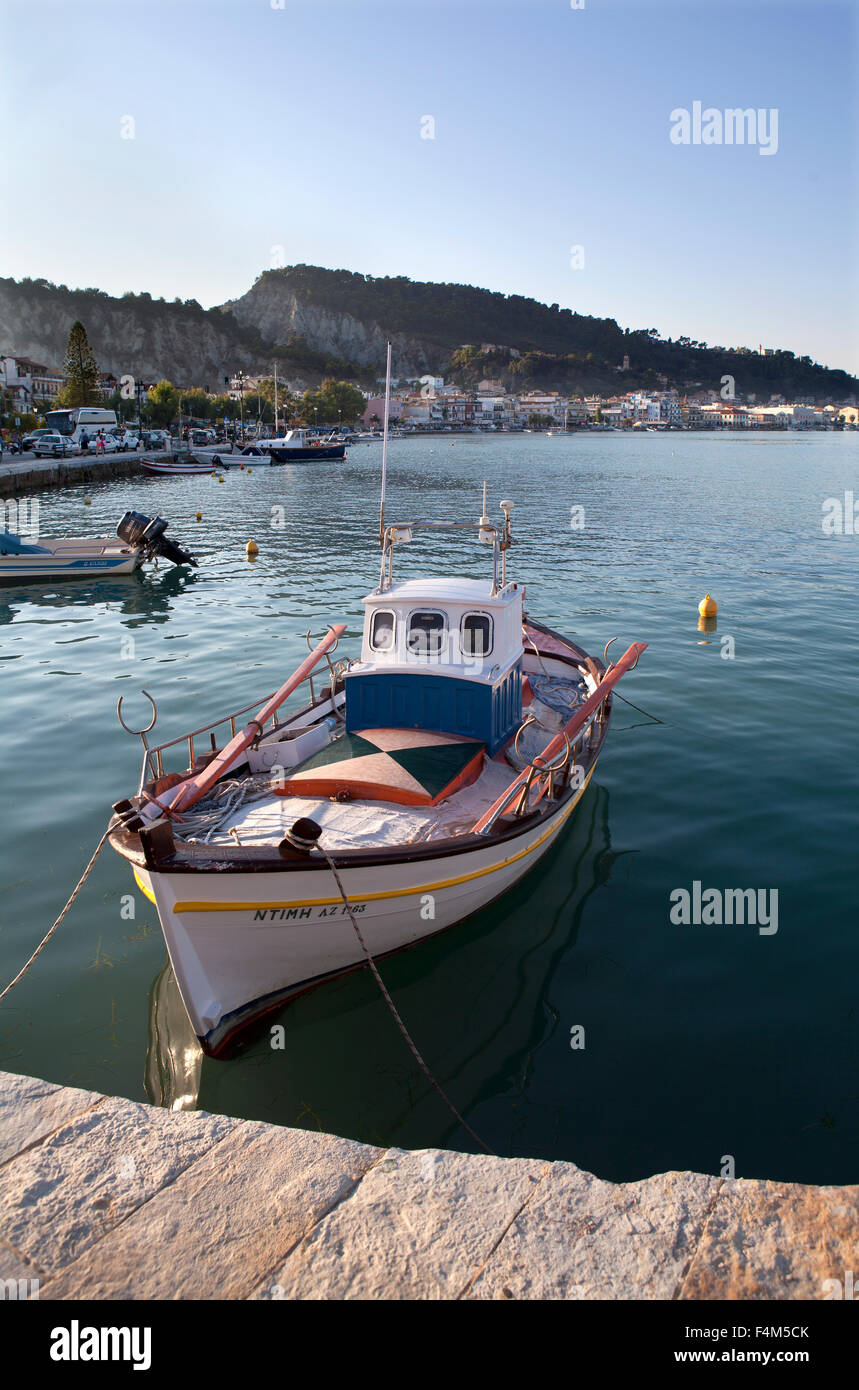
(199, 516)
(250, 470)
(220, 480)
(708, 607)
(87, 501)
(252, 548)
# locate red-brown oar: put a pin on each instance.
(180, 797)
(570, 729)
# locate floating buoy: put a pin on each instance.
(708, 607)
(87, 501)
(199, 516)
(706, 624)
(220, 480)
(251, 549)
(241, 465)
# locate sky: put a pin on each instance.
(274, 132)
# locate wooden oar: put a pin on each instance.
(186, 793)
(570, 729)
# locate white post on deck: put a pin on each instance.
(385, 447)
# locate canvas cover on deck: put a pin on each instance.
(408, 766)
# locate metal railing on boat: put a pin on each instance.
(153, 758)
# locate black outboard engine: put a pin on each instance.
(137, 530)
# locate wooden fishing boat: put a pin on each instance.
(178, 464)
(423, 781)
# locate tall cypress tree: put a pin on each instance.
(81, 370)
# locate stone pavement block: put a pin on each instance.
(12, 1267)
(218, 1230)
(419, 1225)
(31, 1109)
(58, 1199)
(771, 1240)
(582, 1238)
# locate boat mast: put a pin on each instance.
(276, 435)
(385, 447)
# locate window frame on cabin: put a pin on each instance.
(374, 646)
(476, 613)
(444, 630)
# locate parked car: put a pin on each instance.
(125, 439)
(29, 440)
(53, 445)
(105, 438)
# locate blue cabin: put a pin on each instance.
(440, 655)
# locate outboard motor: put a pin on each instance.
(137, 530)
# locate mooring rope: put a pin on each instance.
(393, 1008)
(45, 939)
(638, 707)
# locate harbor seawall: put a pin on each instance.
(105, 1198)
(30, 474)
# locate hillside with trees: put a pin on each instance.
(322, 324)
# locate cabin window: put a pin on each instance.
(427, 633)
(382, 630)
(476, 634)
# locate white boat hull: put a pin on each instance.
(168, 467)
(72, 558)
(241, 944)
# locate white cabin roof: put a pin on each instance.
(474, 593)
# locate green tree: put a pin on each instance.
(336, 402)
(81, 370)
(196, 403)
(222, 408)
(287, 403)
(162, 404)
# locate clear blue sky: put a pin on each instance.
(299, 128)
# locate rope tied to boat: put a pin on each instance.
(46, 938)
(393, 1008)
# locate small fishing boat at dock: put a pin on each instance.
(422, 782)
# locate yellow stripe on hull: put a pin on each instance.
(183, 907)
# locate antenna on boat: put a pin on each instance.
(487, 530)
(385, 447)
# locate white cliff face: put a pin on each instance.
(141, 338)
(277, 313)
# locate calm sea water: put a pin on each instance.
(700, 1041)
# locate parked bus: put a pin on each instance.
(72, 423)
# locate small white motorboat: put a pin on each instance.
(74, 557)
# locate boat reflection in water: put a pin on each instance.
(174, 1056)
(482, 1003)
(148, 596)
